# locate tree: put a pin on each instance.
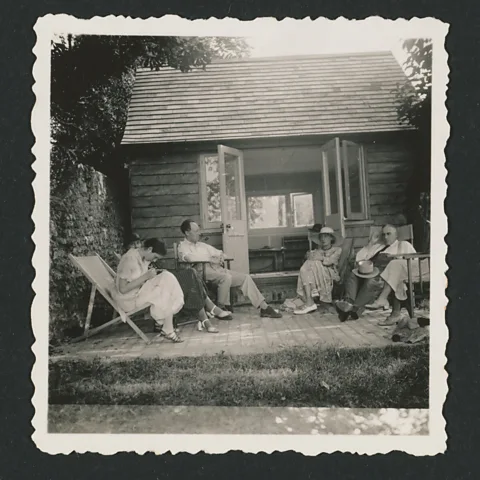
(415, 109)
(91, 83)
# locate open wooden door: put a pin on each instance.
(333, 186)
(234, 207)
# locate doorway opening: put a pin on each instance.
(262, 201)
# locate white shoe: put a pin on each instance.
(305, 309)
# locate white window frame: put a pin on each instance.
(206, 225)
(288, 206)
(270, 194)
(349, 215)
(292, 208)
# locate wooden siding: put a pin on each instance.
(389, 170)
(165, 190)
(269, 97)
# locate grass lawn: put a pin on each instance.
(391, 377)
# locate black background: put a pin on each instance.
(19, 457)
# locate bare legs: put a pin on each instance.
(382, 300)
(167, 322)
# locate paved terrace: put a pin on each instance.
(246, 333)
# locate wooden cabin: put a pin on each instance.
(257, 150)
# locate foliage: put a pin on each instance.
(91, 83)
(414, 100)
(85, 220)
(213, 193)
(415, 95)
(415, 109)
(255, 211)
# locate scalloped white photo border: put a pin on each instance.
(49, 26)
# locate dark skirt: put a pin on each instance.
(193, 288)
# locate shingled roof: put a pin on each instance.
(266, 97)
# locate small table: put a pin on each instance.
(409, 257)
(277, 254)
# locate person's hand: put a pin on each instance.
(151, 273)
(374, 239)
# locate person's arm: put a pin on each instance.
(216, 256)
(409, 248)
(182, 252)
(361, 255)
(124, 286)
(214, 252)
(333, 258)
(185, 255)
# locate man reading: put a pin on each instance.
(386, 275)
(192, 250)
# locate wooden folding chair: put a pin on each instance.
(202, 264)
(405, 233)
(102, 278)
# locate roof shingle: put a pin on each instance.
(268, 97)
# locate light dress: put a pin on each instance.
(320, 272)
(163, 292)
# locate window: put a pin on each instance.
(280, 211)
(302, 208)
(355, 197)
(210, 191)
(345, 160)
(267, 211)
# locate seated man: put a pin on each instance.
(191, 250)
(386, 275)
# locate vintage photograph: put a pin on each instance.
(243, 235)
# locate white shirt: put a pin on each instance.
(367, 252)
(196, 252)
(402, 247)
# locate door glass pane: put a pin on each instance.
(353, 153)
(332, 179)
(302, 204)
(267, 211)
(213, 188)
(232, 181)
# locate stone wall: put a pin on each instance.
(86, 218)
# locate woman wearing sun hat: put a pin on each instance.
(319, 271)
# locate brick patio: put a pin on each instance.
(246, 333)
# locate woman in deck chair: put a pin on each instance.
(319, 271)
(166, 293)
(137, 285)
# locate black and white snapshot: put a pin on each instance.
(243, 235)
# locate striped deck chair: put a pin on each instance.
(102, 278)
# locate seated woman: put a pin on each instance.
(319, 272)
(167, 292)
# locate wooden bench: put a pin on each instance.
(295, 248)
(276, 255)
